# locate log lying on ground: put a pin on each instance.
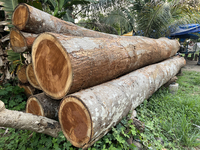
(30, 19)
(31, 77)
(92, 60)
(28, 89)
(88, 115)
(21, 74)
(26, 121)
(21, 41)
(42, 105)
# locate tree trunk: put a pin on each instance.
(26, 121)
(21, 41)
(65, 64)
(21, 74)
(31, 77)
(42, 105)
(88, 115)
(30, 19)
(28, 89)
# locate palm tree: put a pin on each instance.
(154, 18)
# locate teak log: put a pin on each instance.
(28, 89)
(26, 121)
(30, 19)
(42, 105)
(65, 64)
(21, 74)
(88, 115)
(31, 77)
(21, 41)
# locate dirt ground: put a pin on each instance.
(191, 65)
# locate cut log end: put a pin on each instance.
(20, 16)
(28, 89)
(34, 107)
(21, 74)
(52, 66)
(75, 121)
(31, 77)
(17, 41)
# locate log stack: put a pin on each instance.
(96, 69)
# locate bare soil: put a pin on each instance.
(191, 65)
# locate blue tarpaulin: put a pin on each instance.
(185, 29)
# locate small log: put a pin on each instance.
(26, 121)
(92, 61)
(28, 89)
(21, 74)
(31, 77)
(21, 41)
(42, 105)
(88, 115)
(30, 19)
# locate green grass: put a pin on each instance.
(171, 117)
(169, 122)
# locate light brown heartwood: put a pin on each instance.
(21, 41)
(42, 105)
(31, 77)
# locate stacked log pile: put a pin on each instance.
(68, 59)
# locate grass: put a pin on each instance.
(173, 117)
(170, 123)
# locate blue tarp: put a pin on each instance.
(185, 29)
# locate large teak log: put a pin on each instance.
(42, 105)
(30, 19)
(26, 121)
(21, 41)
(65, 64)
(88, 115)
(31, 77)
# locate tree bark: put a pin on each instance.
(26, 121)
(88, 115)
(31, 77)
(30, 19)
(64, 64)
(21, 74)
(21, 41)
(42, 105)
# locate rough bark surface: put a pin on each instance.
(21, 41)
(92, 61)
(21, 74)
(43, 105)
(26, 121)
(31, 77)
(88, 115)
(30, 19)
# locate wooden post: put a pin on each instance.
(88, 115)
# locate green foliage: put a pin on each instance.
(171, 117)
(117, 138)
(13, 97)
